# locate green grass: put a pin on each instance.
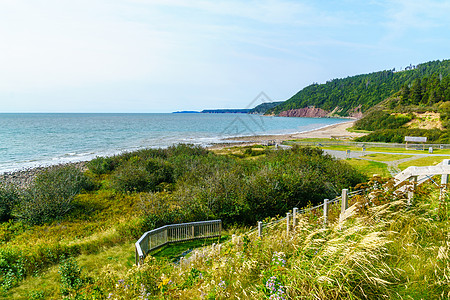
(310, 140)
(383, 250)
(369, 168)
(386, 157)
(351, 129)
(424, 161)
(369, 149)
(118, 258)
(339, 262)
(173, 252)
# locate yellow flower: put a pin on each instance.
(164, 282)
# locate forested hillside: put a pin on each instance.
(263, 107)
(420, 108)
(344, 97)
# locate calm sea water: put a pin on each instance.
(30, 140)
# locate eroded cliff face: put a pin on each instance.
(306, 112)
(355, 112)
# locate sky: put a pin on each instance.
(156, 56)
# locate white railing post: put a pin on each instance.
(444, 180)
(260, 229)
(288, 222)
(294, 216)
(325, 212)
(344, 201)
(412, 189)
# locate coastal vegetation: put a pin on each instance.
(383, 249)
(68, 212)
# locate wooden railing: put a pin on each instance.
(291, 218)
(161, 236)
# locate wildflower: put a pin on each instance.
(164, 282)
(275, 289)
(279, 259)
(222, 284)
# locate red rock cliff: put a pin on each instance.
(306, 112)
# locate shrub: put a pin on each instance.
(101, 165)
(71, 278)
(9, 197)
(139, 175)
(186, 150)
(382, 120)
(51, 194)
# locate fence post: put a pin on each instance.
(193, 231)
(294, 216)
(444, 179)
(411, 192)
(344, 201)
(136, 256)
(325, 212)
(166, 239)
(288, 221)
(260, 229)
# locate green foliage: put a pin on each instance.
(245, 191)
(264, 107)
(12, 268)
(365, 91)
(398, 135)
(101, 165)
(385, 249)
(379, 119)
(9, 197)
(139, 175)
(51, 194)
(444, 110)
(70, 276)
(189, 184)
(426, 91)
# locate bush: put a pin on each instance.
(186, 150)
(101, 165)
(51, 194)
(9, 197)
(139, 175)
(71, 278)
(382, 120)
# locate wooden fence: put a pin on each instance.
(291, 218)
(161, 236)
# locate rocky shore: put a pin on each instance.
(23, 178)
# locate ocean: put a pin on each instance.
(32, 140)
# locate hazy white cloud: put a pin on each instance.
(408, 16)
(166, 53)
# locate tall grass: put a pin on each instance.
(384, 251)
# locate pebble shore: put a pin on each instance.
(23, 178)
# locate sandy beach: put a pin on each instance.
(337, 131)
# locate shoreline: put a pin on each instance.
(24, 176)
(338, 131)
